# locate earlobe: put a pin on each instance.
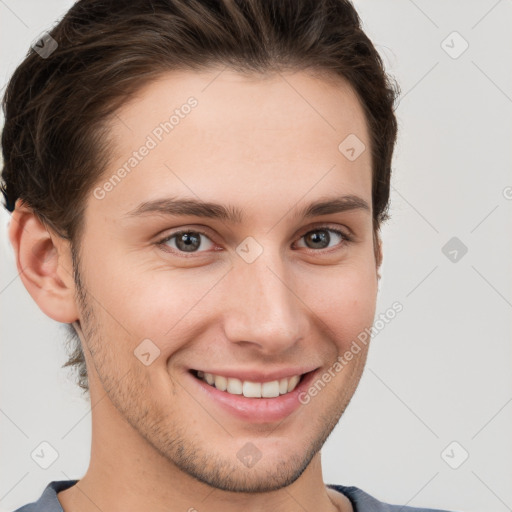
(78, 329)
(377, 245)
(380, 256)
(43, 262)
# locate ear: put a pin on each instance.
(43, 260)
(377, 245)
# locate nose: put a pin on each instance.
(263, 310)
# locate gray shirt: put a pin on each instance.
(361, 501)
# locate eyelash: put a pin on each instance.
(346, 239)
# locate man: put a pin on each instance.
(197, 188)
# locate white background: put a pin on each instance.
(441, 370)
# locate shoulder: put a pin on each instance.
(48, 501)
(363, 502)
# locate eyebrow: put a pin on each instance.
(196, 208)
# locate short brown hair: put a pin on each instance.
(55, 140)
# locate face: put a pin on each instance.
(253, 288)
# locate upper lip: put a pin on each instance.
(258, 375)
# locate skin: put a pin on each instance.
(256, 143)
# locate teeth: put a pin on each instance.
(221, 383)
(270, 389)
(250, 389)
(292, 383)
(234, 386)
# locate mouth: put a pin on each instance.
(247, 388)
(255, 400)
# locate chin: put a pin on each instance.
(248, 470)
(261, 478)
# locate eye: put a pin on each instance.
(186, 241)
(321, 237)
(190, 241)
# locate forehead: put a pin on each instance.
(253, 139)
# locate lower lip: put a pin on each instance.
(256, 410)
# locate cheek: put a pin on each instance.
(151, 301)
(344, 300)
(164, 303)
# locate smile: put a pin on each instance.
(248, 389)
